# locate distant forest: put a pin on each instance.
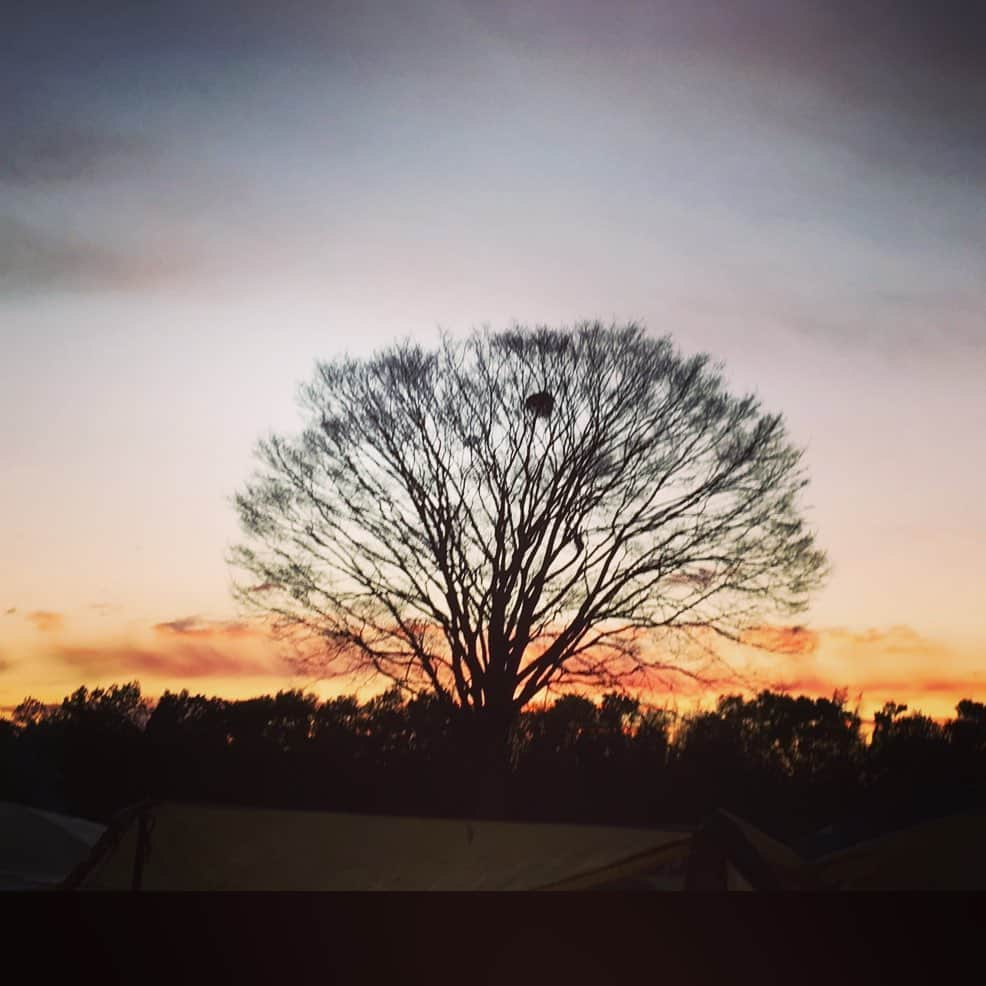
(789, 764)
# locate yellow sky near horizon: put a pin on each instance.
(235, 659)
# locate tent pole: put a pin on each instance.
(143, 845)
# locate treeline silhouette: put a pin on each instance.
(788, 764)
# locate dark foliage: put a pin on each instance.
(789, 764)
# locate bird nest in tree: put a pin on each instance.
(540, 404)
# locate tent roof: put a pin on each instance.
(944, 854)
(209, 847)
(40, 848)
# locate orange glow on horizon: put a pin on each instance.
(236, 659)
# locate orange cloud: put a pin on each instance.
(194, 626)
(895, 663)
(897, 652)
(782, 639)
(804, 685)
(897, 639)
(875, 665)
(936, 690)
(45, 620)
(184, 661)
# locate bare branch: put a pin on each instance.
(519, 508)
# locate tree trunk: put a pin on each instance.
(491, 795)
(489, 762)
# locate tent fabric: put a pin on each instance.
(208, 847)
(944, 854)
(173, 846)
(38, 849)
(663, 868)
(749, 858)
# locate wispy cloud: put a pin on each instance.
(35, 258)
(874, 665)
(786, 640)
(880, 664)
(45, 620)
(186, 647)
(804, 684)
(900, 642)
(969, 685)
(40, 155)
(187, 660)
(195, 626)
(262, 587)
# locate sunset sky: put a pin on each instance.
(199, 198)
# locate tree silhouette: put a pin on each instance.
(519, 510)
(192, 721)
(87, 751)
(788, 764)
(30, 712)
(967, 733)
(915, 741)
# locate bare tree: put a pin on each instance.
(523, 509)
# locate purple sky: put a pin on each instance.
(197, 199)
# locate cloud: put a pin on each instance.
(963, 685)
(187, 660)
(195, 626)
(874, 665)
(805, 685)
(45, 620)
(891, 86)
(895, 662)
(34, 259)
(50, 154)
(794, 640)
(262, 587)
(902, 644)
(183, 648)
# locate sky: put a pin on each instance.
(199, 199)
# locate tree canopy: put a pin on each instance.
(523, 509)
(788, 763)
